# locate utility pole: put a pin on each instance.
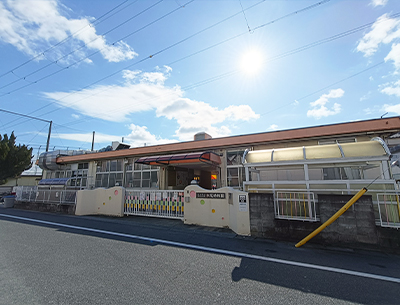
(93, 141)
(34, 118)
(48, 137)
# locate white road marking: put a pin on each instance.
(214, 250)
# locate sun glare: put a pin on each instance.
(251, 62)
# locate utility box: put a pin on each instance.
(9, 201)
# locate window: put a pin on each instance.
(83, 165)
(235, 171)
(141, 175)
(292, 173)
(109, 173)
(341, 173)
(234, 157)
(367, 170)
(79, 177)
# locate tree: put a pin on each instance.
(13, 159)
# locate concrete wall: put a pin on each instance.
(226, 209)
(46, 207)
(101, 201)
(355, 228)
(23, 180)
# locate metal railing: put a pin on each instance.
(35, 194)
(389, 210)
(295, 205)
(155, 203)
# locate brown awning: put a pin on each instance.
(183, 160)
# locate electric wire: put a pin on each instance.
(161, 51)
(181, 41)
(71, 52)
(36, 134)
(62, 41)
(291, 52)
(213, 79)
(279, 56)
(129, 66)
(321, 89)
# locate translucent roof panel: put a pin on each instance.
(363, 149)
(288, 154)
(323, 152)
(332, 151)
(259, 156)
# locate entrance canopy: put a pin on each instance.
(204, 159)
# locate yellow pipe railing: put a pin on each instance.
(333, 218)
(398, 204)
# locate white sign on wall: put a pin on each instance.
(242, 203)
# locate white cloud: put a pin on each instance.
(75, 116)
(320, 110)
(130, 75)
(140, 136)
(273, 127)
(392, 108)
(376, 110)
(34, 27)
(393, 89)
(147, 92)
(376, 3)
(84, 137)
(383, 31)
(366, 96)
(154, 77)
(394, 55)
(367, 110)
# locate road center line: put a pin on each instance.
(214, 250)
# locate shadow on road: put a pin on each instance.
(306, 280)
(336, 285)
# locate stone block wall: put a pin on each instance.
(355, 228)
(46, 207)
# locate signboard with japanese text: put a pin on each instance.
(211, 195)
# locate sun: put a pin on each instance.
(251, 62)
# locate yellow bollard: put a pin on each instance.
(333, 218)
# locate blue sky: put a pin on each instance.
(156, 72)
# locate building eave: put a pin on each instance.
(375, 127)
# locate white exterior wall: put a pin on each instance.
(216, 212)
(101, 201)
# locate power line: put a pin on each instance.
(201, 83)
(222, 75)
(61, 42)
(24, 115)
(232, 72)
(68, 54)
(179, 42)
(322, 89)
(247, 23)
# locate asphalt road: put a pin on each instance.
(61, 259)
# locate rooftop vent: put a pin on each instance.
(117, 145)
(202, 136)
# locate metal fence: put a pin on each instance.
(35, 194)
(163, 203)
(389, 210)
(295, 205)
